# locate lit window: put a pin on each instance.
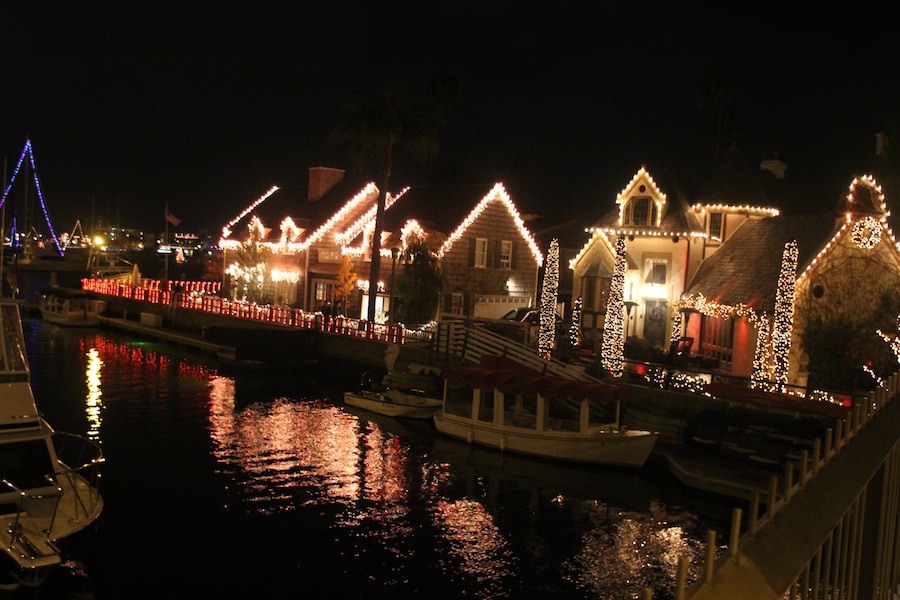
(715, 225)
(481, 251)
(506, 254)
(655, 271)
(640, 211)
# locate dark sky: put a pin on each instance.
(205, 105)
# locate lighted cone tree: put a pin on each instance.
(762, 358)
(575, 328)
(612, 353)
(783, 325)
(549, 292)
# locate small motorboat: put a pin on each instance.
(48, 479)
(394, 403)
(74, 308)
(541, 415)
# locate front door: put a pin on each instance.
(655, 313)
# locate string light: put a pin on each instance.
(497, 194)
(549, 295)
(783, 324)
(624, 196)
(893, 341)
(366, 220)
(743, 208)
(575, 327)
(29, 151)
(866, 233)
(596, 236)
(676, 327)
(226, 231)
(762, 356)
(612, 352)
(869, 182)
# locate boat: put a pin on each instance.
(394, 403)
(73, 308)
(540, 415)
(48, 479)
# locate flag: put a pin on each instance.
(172, 218)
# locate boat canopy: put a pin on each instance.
(532, 384)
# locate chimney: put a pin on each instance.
(774, 165)
(322, 179)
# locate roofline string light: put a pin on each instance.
(226, 231)
(345, 237)
(624, 195)
(649, 232)
(868, 181)
(742, 208)
(498, 192)
(29, 150)
(595, 233)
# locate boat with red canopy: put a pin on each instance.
(518, 410)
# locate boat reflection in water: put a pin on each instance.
(493, 517)
(283, 486)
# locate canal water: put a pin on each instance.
(220, 484)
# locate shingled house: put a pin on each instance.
(847, 259)
(707, 270)
(489, 258)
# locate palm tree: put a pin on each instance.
(379, 122)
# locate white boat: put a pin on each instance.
(394, 403)
(540, 415)
(75, 308)
(48, 480)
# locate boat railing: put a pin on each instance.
(80, 459)
(16, 532)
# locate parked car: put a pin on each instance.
(531, 316)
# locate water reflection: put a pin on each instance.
(476, 546)
(404, 509)
(283, 454)
(93, 403)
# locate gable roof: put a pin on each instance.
(338, 208)
(450, 209)
(745, 270)
(677, 217)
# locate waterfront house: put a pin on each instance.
(703, 266)
(488, 256)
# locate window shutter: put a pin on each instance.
(472, 243)
(513, 260)
(493, 254)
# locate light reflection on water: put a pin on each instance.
(411, 513)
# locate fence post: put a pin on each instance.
(734, 538)
(710, 566)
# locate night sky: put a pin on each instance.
(205, 105)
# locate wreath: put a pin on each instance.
(866, 232)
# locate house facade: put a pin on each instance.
(489, 258)
(707, 271)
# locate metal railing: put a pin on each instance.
(81, 459)
(831, 529)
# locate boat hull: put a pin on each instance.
(412, 407)
(629, 448)
(71, 319)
